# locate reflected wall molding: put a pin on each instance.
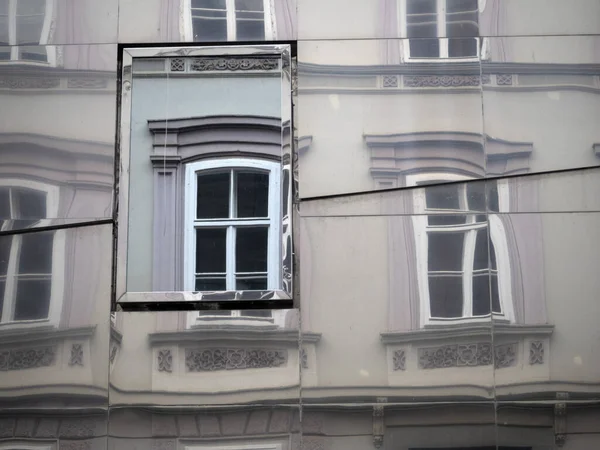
(27, 358)
(214, 359)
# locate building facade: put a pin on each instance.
(448, 157)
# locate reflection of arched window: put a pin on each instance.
(456, 22)
(462, 253)
(25, 26)
(228, 20)
(27, 260)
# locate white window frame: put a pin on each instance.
(482, 43)
(497, 234)
(273, 220)
(187, 27)
(58, 261)
(44, 36)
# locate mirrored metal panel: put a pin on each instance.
(30, 23)
(552, 257)
(192, 358)
(207, 20)
(206, 182)
(57, 134)
(542, 104)
(414, 324)
(380, 114)
(54, 318)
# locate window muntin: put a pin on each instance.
(229, 20)
(26, 260)
(459, 249)
(232, 226)
(426, 20)
(25, 26)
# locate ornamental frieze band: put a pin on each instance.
(28, 358)
(212, 359)
(467, 355)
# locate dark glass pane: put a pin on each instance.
(3, 7)
(492, 196)
(495, 294)
(252, 194)
(251, 249)
(445, 251)
(476, 196)
(442, 197)
(5, 204)
(36, 253)
(30, 204)
(446, 219)
(480, 218)
(249, 5)
(2, 285)
(424, 48)
(5, 242)
(248, 30)
(4, 53)
(30, 7)
(210, 284)
(209, 29)
(33, 53)
(29, 29)
(481, 294)
(252, 284)
(33, 299)
(420, 6)
(213, 195)
(446, 296)
(208, 14)
(458, 48)
(256, 312)
(211, 4)
(481, 250)
(210, 250)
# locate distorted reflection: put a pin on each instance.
(219, 219)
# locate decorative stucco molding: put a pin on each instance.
(165, 360)
(212, 359)
(303, 358)
(467, 355)
(399, 360)
(390, 81)
(76, 355)
(504, 79)
(233, 64)
(29, 358)
(29, 82)
(560, 419)
(420, 81)
(536, 352)
(75, 445)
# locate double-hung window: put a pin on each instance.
(440, 28)
(26, 265)
(233, 222)
(462, 255)
(230, 20)
(25, 27)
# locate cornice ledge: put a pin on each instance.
(115, 334)
(250, 334)
(463, 331)
(43, 334)
(187, 124)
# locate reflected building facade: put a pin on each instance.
(447, 156)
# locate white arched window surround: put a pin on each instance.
(497, 234)
(187, 27)
(16, 48)
(273, 221)
(482, 45)
(58, 260)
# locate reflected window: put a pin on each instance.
(463, 262)
(232, 235)
(230, 20)
(25, 26)
(25, 259)
(425, 21)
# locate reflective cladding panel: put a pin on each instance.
(261, 427)
(217, 224)
(54, 324)
(369, 119)
(542, 104)
(355, 19)
(552, 265)
(57, 134)
(206, 20)
(29, 23)
(205, 358)
(408, 318)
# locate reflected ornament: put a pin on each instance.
(202, 360)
